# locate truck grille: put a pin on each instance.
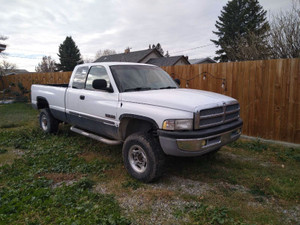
(217, 116)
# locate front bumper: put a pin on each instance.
(196, 143)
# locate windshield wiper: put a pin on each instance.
(168, 87)
(137, 89)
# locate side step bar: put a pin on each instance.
(96, 137)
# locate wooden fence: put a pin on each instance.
(268, 91)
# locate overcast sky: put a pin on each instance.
(183, 27)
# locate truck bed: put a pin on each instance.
(55, 96)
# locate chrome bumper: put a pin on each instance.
(207, 142)
(198, 146)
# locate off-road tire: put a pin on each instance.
(155, 156)
(47, 122)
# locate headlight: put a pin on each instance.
(178, 125)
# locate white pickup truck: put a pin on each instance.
(141, 106)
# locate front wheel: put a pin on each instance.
(143, 157)
(47, 122)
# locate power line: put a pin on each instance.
(190, 49)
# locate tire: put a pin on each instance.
(143, 157)
(47, 122)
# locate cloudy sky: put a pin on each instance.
(183, 27)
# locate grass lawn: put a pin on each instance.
(70, 179)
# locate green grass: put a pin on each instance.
(16, 115)
(55, 179)
(278, 179)
(7, 156)
(28, 197)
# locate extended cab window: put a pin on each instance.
(96, 72)
(79, 77)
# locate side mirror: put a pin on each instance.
(101, 84)
(177, 81)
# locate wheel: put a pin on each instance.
(47, 122)
(143, 157)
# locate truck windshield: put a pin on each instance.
(141, 78)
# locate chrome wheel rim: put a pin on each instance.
(44, 122)
(137, 158)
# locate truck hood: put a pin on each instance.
(181, 99)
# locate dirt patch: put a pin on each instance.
(249, 159)
(60, 179)
(90, 156)
(183, 185)
(156, 203)
(18, 152)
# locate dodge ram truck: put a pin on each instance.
(141, 107)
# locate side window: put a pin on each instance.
(96, 72)
(79, 77)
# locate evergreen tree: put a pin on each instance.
(239, 21)
(158, 48)
(69, 55)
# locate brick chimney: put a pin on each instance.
(127, 50)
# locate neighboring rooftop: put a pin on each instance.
(15, 71)
(202, 60)
(136, 56)
(168, 61)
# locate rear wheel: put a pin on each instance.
(143, 157)
(47, 122)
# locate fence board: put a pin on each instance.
(268, 91)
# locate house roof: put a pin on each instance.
(202, 60)
(167, 61)
(15, 71)
(135, 56)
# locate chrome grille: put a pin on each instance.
(208, 121)
(207, 112)
(217, 116)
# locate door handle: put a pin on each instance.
(82, 97)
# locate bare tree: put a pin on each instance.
(104, 52)
(5, 67)
(88, 59)
(47, 65)
(250, 47)
(285, 33)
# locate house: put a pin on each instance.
(202, 61)
(137, 56)
(15, 71)
(169, 61)
(149, 56)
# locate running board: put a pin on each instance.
(96, 137)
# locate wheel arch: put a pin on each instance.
(130, 123)
(41, 102)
